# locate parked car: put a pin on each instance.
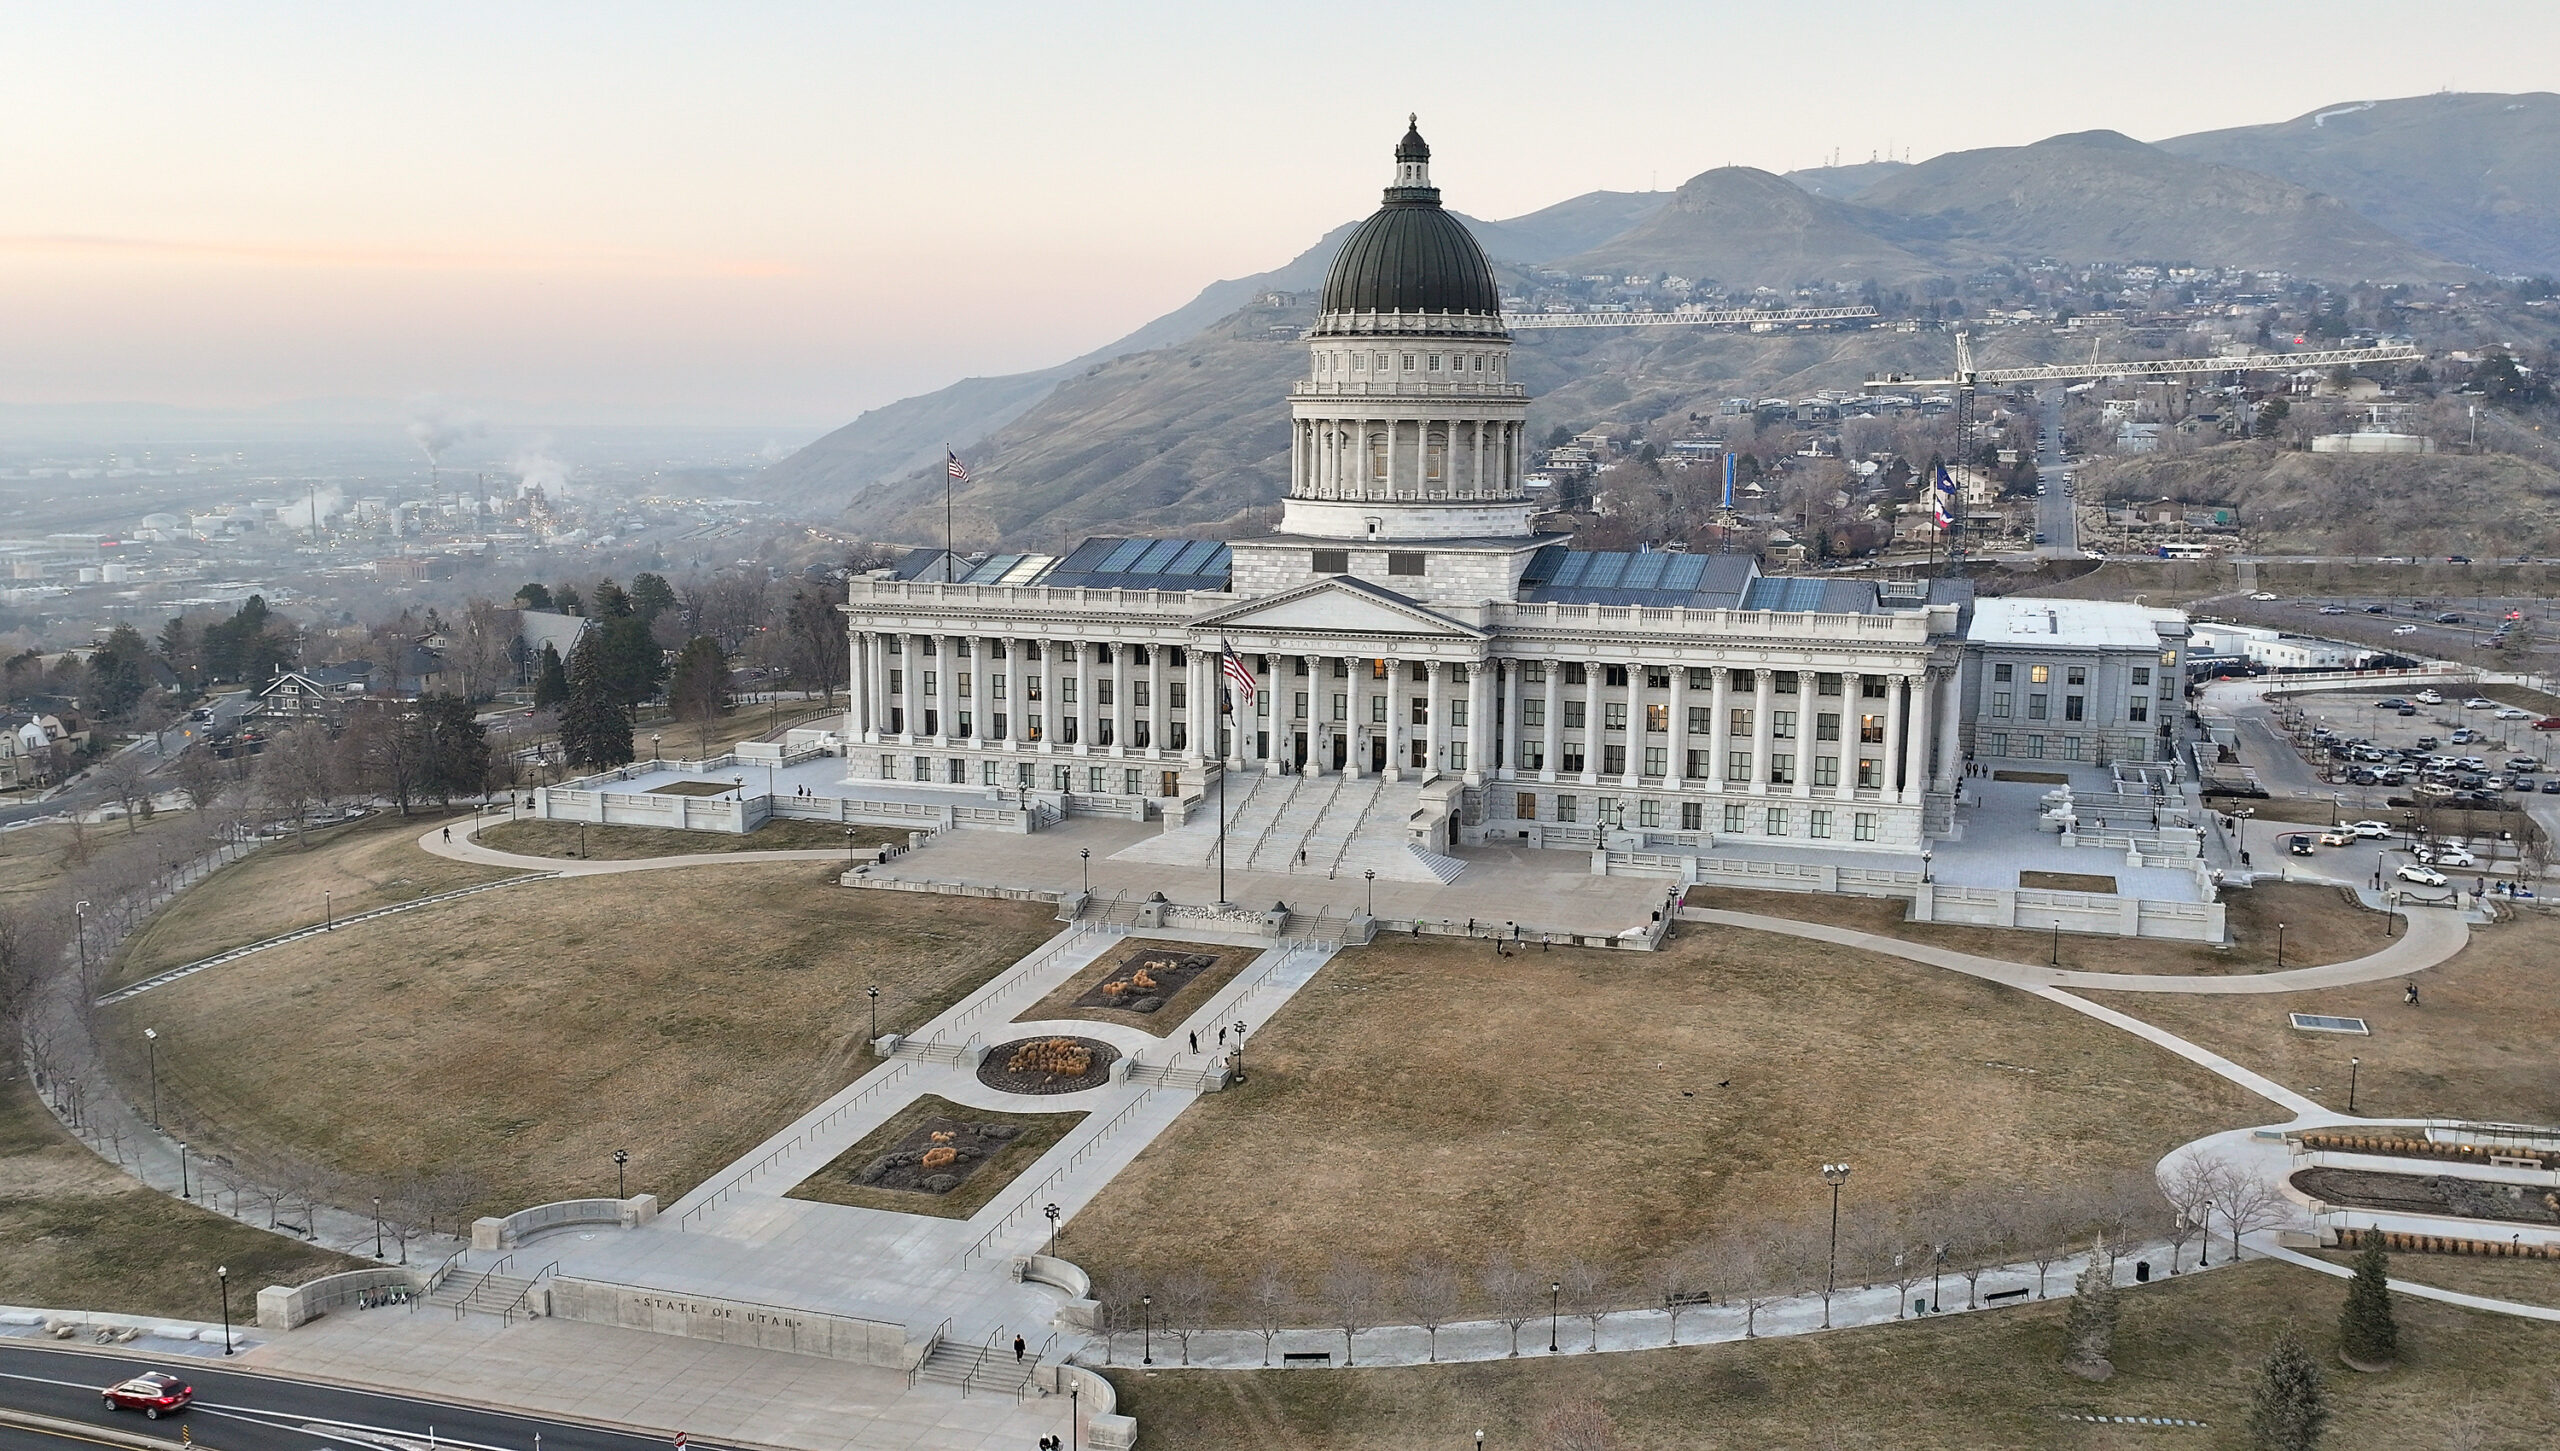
(154, 1393)
(2262, 595)
(2523, 763)
(2370, 829)
(2404, 629)
(2509, 712)
(2479, 702)
(2406, 710)
(2377, 609)
(2551, 787)
(2449, 617)
(2428, 697)
(2333, 609)
(2423, 876)
(2548, 723)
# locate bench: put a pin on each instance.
(1306, 1357)
(1693, 1297)
(1996, 1296)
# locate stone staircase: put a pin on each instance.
(1278, 850)
(489, 1293)
(1446, 868)
(975, 1368)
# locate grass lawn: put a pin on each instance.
(2322, 924)
(1161, 1022)
(2478, 1046)
(32, 857)
(346, 869)
(2188, 1348)
(834, 1182)
(2532, 1282)
(628, 843)
(77, 1235)
(525, 1035)
(1422, 1095)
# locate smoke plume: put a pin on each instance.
(436, 427)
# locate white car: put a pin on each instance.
(2262, 595)
(2509, 712)
(2428, 697)
(2479, 702)
(2423, 876)
(2370, 829)
(2404, 629)
(2454, 856)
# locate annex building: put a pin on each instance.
(1407, 625)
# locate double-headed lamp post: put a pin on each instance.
(1052, 1212)
(1085, 855)
(1371, 877)
(1834, 1175)
(873, 992)
(620, 1158)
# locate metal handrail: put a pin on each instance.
(930, 1341)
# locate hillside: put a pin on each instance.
(2491, 505)
(2472, 177)
(893, 441)
(2099, 196)
(1746, 228)
(1843, 183)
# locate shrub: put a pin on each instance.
(1062, 1057)
(939, 1157)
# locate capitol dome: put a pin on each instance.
(1409, 257)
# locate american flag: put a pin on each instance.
(1238, 673)
(959, 471)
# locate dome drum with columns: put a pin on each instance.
(1466, 678)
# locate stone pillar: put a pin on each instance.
(1915, 774)
(1763, 690)
(1355, 710)
(1718, 726)
(1510, 733)
(865, 724)
(1484, 732)
(1555, 718)
(1633, 779)
(1806, 702)
(1892, 737)
(1158, 711)
(1435, 720)
(1676, 767)
(1319, 752)
(1047, 706)
(1950, 731)
(1119, 699)
(1398, 731)
(1593, 737)
(1084, 711)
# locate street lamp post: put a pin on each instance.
(873, 992)
(620, 1158)
(1937, 1267)
(1238, 1061)
(1052, 1212)
(328, 911)
(2057, 942)
(185, 1190)
(80, 929)
(1085, 856)
(653, 748)
(1146, 1329)
(377, 1226)
(151, 1042)
(582, 841)
(2279, 947)
(1834, 1175)
(2352, 1065)
(849, 834)
(1371, 877)
(1925, 858)
(1555, 1312)
(223, 1273)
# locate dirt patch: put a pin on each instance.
(2432, 1194)
(1196, 974)
(1048, 1065)
(901, 1165)
(693, 788)
(633, 843)
(520, 1036)
(2067, 882)
(2033, 778)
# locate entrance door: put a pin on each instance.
(1171, 784)
(1298, 760)
(1377, 753)
(1341, 752)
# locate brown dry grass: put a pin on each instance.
(2533, 1282)
(832, 1183)
(527, 1034)
(33, 858)
(631, 843)
(2479, 1046)
(77, 1235)
(2322, 925)
(2188, 1347)
(2067, 882)
(1422, 1095)
(1161, 1022)
(347, 869)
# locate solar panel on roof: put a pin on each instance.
(1119, 559)
(1644, 571)
(1686, 573)
(1157, 554)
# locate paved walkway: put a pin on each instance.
(455, 842)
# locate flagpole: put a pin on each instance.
(1228, 698)
(949, 459)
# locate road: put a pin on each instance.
(240, 1411)
(89, 793)
(2056, 521)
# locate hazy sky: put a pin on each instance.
(785, 214)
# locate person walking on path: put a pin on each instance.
(1018, 1348)
(1222, 1037)
(1195, 1040)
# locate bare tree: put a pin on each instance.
(1267, 1298)
(2044, 1226)
(1588, 1286)
(1350, 1289)
(2193, 1185)
(1684, 1277)
(199, 777)
(1513, 1292)
(298, 774)
(1982, 1221)
(1431, 1295)
(128, 780)
(1183, 1301)
(2251, 1203)
(1580, 1426)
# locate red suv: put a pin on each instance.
(153, 1393)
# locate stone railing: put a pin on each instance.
(283, 1307)
(2028, 908)
(732, 1322)
(491, 1232)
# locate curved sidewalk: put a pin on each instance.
(463, 848)
(2431, 939)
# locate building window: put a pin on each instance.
(2137, 709)
(924, 768)
(2075, 675)
(1738, 721)
(2169, 658)
(1574, 715)
(932, 724)
(1613, 760)
(1614, 715)
(1701, 719)
(2142, 675)
(1138, 693)
(1775, 823)
(1733, 816)
(1332, 561)
(2039, 674)
(1817, 823)
(1129, 781)
(1871, 729)
(1870, 772)
(1421, 711)
(1871, 687)
(1826, 770)
(1061, 778)
(986, 773)
(1743, 680)
(1657, 718)
(956, 772)
(2074, 707)
(1576, 673)
(1177, 693)
(1737, 765)
(1533, 755)
(995, 727)
(1782, 769)
(1067, 691)
(1826, 726)
(888, 768)
(1657, 677)
(1826, 684)
(1862, 825)
(1533, 672)
(995, 686)
(1568, 808)
(2036, 707)
(1533, 714)
(1997, 745)
(1693, 817)
(1177, 735)
(2071, 748)
(1787, 682)
(1698, 678)
(2004, 673)
(931, 684)
(1341, 706)
(2000, 704)
(1524, 806)
(1457, 755)
(897, 682)
(1404, 562)
(1657, 760)
(1031, 687)
(1103, 693)
(1102, 730)
(1377, 710)
(1782, 725)
(1648, 812)
(1416, 671)
(1697, 765)
(1138, 733)
(1569, 758)
(897, 645)
(1614, 675)
(1458, 712)
(1067, 729)
(2035, 747)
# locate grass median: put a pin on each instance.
(634, 843)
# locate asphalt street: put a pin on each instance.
(2055, 519)
(239, 1411)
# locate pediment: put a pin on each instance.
(1337, 607)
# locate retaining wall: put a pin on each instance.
(732, 1322)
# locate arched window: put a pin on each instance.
(1378, 459)
(1435, 457)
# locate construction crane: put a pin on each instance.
(1968, 378)
(1689, 317)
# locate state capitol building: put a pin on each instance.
(1424, 656)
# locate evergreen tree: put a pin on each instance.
(551, 684)
(634, 665)
(119, 671)
(651, 596)
(595, 724)
(2366, 1332)
(2289, 1408)
(533, 597)
(2089, 1336)
(455, 747)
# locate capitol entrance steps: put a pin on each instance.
(1331, 826)
(989, 1368)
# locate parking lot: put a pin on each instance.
(2462, 768)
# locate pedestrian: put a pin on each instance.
(2413, 993)
(1545, 941)
(1018, 1348)
(448, 833)
(1195, 1040)
(1302, 856)
(1222, 1037)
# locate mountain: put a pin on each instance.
(1744, 227)
(1843, 183)
(2097, 196)
(2472, 177)
(896, 439)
